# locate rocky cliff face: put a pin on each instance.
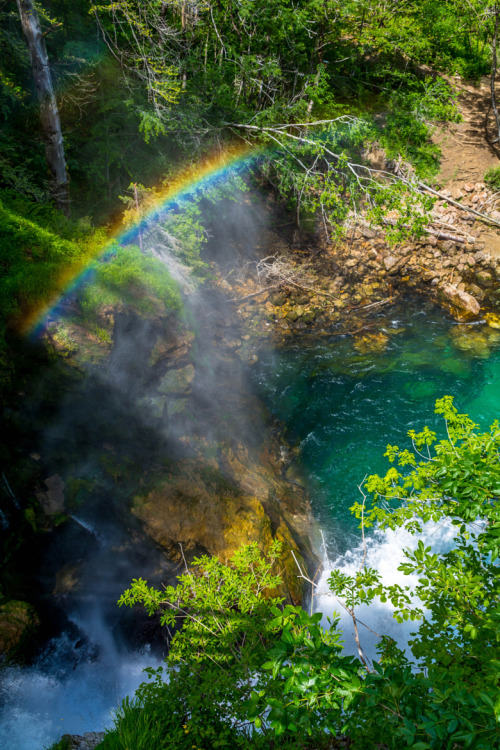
(187, 446)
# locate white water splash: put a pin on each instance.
(385, 553)
(4, 521)
(165, 247)
(42, 702)
(88, 527)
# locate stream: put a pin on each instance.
(344, 400)
(341, 400)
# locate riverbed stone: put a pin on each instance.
(493, 320)
(389, 262)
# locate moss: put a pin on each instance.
(18, 623)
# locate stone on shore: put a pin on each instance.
(465, 303)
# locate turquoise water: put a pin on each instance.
(343, 399)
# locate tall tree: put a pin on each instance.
(49, 112)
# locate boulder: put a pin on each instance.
(52, 500)
(462, 301)
(236, 498)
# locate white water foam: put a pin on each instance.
(160, 243)
(88, 527)
(384, 552)
(40, 703)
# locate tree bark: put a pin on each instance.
(49, 112)
(494, 72)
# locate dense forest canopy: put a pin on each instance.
(142, 88)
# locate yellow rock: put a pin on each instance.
(371, 342)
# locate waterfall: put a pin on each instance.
(42, 702)
(384, 552)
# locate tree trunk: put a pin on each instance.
(49, 113)
(494, 72)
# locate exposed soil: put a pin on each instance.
(469, 150)
(467, 147)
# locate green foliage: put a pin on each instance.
(63, 744)
(35, 263)
(161, 83)
(407, 128)
(246, 671)
(125, 276)
(492, 177)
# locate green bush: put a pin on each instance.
(127, 276)
(248, 672)
(492, 178)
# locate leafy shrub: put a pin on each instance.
(127, 276)
(492, 178)
(407, 129)
(246, 671)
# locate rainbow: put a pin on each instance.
(185, 183)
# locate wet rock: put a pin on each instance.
(52, 500)
(232, 343)
(493, 320)
(278, 298)
(462, 301)
(175, 406)
(389, 262)
(18, 624)
(472, 341)
(484, 277)
(476, 291)
(155, 404)
(67, 579)
(371, 343)
(177, 381)
(88, 741)
(309, 316)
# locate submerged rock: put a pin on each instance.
(493, 320)
(474, 341)
(372, 342)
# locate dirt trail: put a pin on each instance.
(468, 150)
(467, 146)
